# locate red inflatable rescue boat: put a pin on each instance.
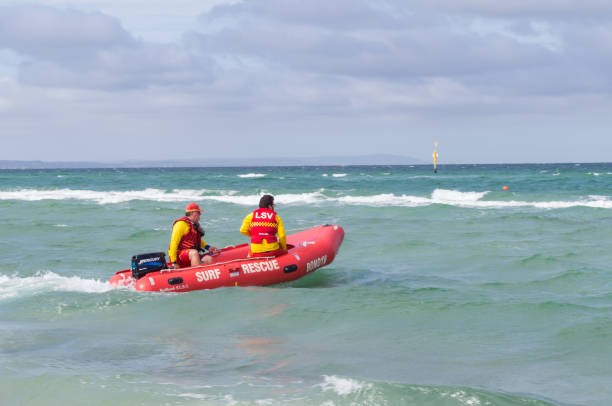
(307, 251)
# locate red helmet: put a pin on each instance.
(192, 207)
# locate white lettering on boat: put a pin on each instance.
(316, 263)
(208, 275)
(263, 266)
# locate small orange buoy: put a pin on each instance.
(505, 187)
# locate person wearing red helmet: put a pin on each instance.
(186, 240)
(263, 226)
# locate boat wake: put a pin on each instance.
(47, 281)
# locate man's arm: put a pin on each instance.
(246, 225)
(178, 231)
(207, 246)
(282, 237)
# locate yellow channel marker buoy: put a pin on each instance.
(435, 157)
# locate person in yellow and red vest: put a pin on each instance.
(263, 226)
(186, 240)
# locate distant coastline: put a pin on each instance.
(219, 162)
(369, 160)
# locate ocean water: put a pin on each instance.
(447, 289)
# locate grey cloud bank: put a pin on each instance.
(517, 82)
(68, 48)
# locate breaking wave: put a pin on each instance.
(252, 175)
(350, 391)
(346, 391)
(109, 197)
(438, 196)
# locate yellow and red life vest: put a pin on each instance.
(193, 238)
(263, 226)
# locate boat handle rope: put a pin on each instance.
(170, 270)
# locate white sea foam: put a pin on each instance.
(387, 199)
(252, 175)
(106, 197)
(469, 199)
(463, 398)
(342, 386)
(445, 196)
(230, 400)
(14, 286)
(339, 175)
(158, 195)
(191, 395)
(598, 197)
(250, 200)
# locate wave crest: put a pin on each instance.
(444, 195)
(353, 391)
(252, 175)
(470, 199)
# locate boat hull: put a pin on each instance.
(308, 251)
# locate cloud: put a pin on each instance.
(338, 15)
(347, 67)
(543, 9)
(47, 32)
(69, 48)
(517, 48)
(502, 49)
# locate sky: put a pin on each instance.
(490, 81)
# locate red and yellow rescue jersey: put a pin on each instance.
(184, 236)
(263, 226)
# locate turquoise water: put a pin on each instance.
(447, 289)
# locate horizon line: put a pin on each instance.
(177, 165)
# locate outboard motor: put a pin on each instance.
(143, 264)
